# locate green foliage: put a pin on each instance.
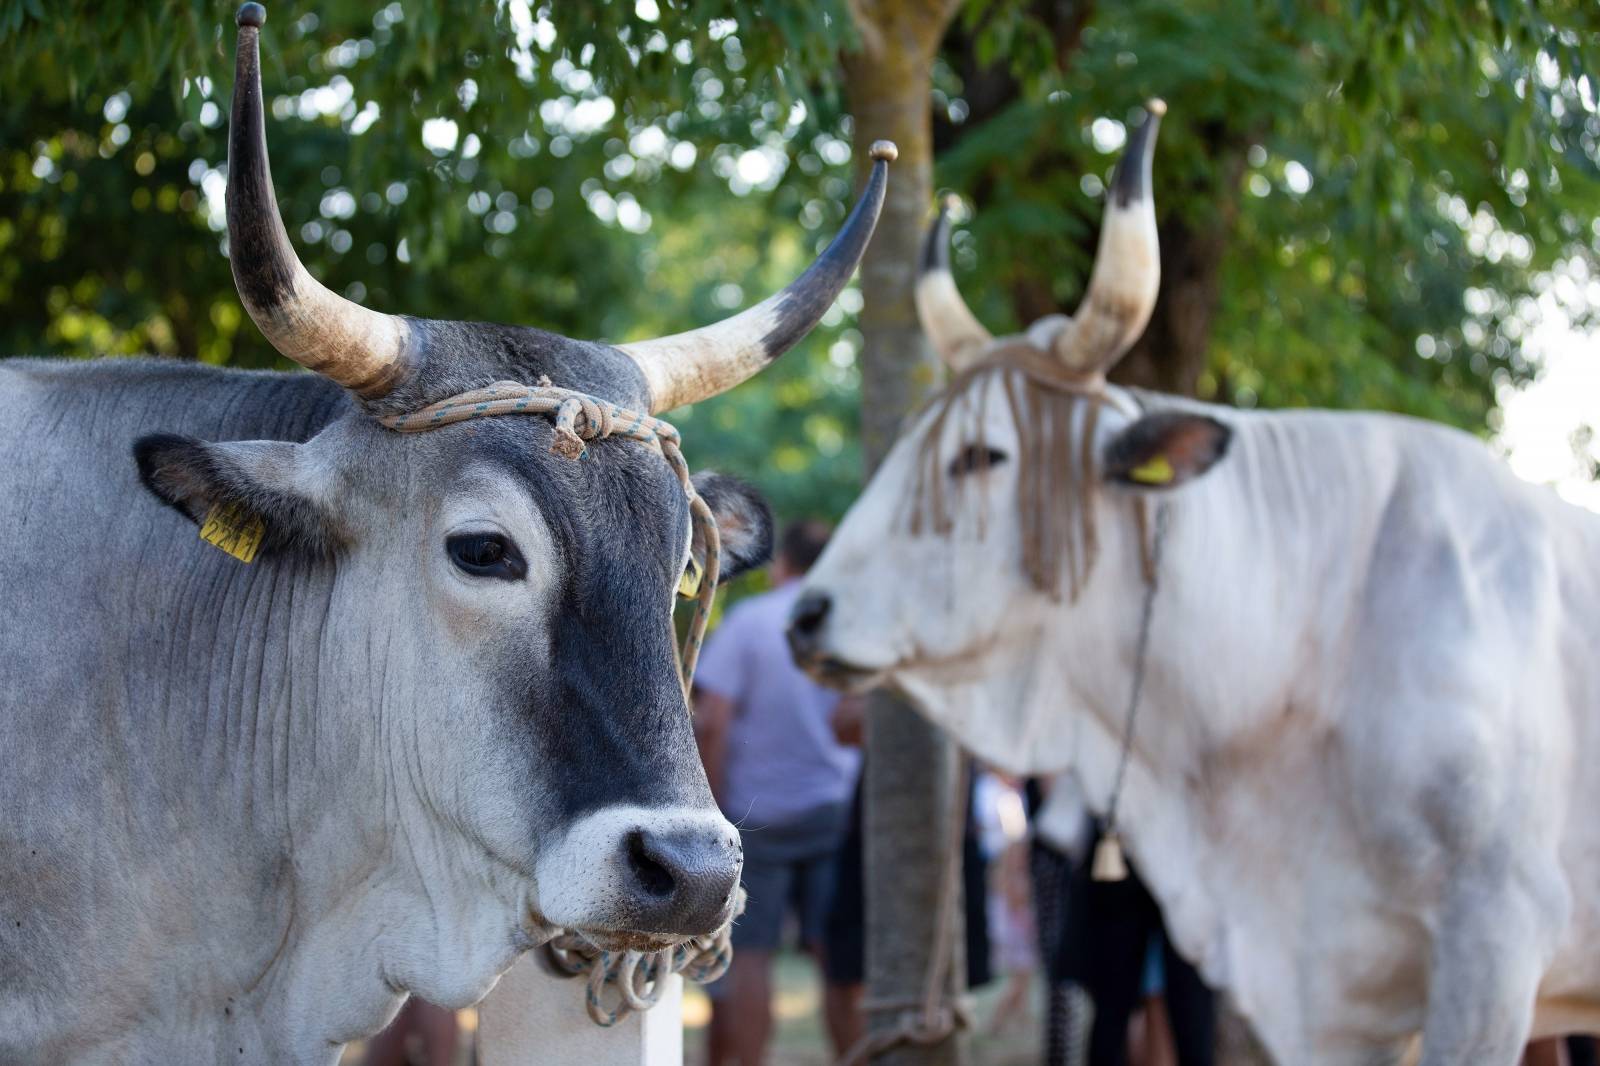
(1391, 179)
(1383, 180)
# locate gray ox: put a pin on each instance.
(247, 809)
(1362, 784)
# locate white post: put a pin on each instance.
(533, 1018)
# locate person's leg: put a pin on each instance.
(388, 1048)
(1543, 1053)
(741, 1003)
(844, 940)
(437, 1027)
(1191, 1009)
(1117, 930)
(817, 886)
(1050, 872)
(1158, 1044)
(749, 1006)
(841, 1012)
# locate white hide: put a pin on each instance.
(1362, 784)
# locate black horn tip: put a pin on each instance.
(251, 14)
(884, 151)
(936, 241)
(1131, 182)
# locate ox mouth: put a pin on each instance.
(612, 939)
(841, 674)
(615, 940)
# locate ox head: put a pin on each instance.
(1005, 538)
(490, 624)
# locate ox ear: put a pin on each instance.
(1166, 449)
(744, 522)
(245, 495)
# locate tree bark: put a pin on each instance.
(910, 766)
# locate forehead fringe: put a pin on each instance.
(1056, 481)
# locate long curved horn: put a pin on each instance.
(363, 350)
(1127, 264)
(951, 327)
(688, 367)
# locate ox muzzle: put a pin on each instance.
(642, 878)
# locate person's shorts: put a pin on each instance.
(776, 888)
(788, 869)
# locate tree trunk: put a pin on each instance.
(911, 767)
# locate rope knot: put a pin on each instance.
(579, 419)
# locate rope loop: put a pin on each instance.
(618, 983)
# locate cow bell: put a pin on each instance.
(1109, 865)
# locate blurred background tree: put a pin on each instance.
(1358, 199)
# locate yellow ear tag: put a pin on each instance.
(234, 529)
(689, 583)
(1153, 471)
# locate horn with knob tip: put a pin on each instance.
(701, 363)
(361, 349)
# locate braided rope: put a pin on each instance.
(580, 418)
(621, 982)
(634, 979)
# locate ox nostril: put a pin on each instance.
(680, 879)
(652, 876)
(810, 612)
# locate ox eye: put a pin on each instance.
(974, 458)
(486, 555)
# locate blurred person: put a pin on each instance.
(420, 1035)
(844, 928)
(777, 770)
(1562, 1051)
(1108, 938)
(1054, 855)
(845, 959)
(1003, 825)
(1119, 929)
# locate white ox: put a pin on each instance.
(1358, 783)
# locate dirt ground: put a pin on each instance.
(800, 1040)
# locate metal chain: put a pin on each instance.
(1140, 661)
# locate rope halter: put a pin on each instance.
(580, 418)
(633, 979)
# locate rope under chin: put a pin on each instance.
(621, 982)
(633, 979)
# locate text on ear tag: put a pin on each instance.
(234, 529)
(1156, 470)
(689, 583)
